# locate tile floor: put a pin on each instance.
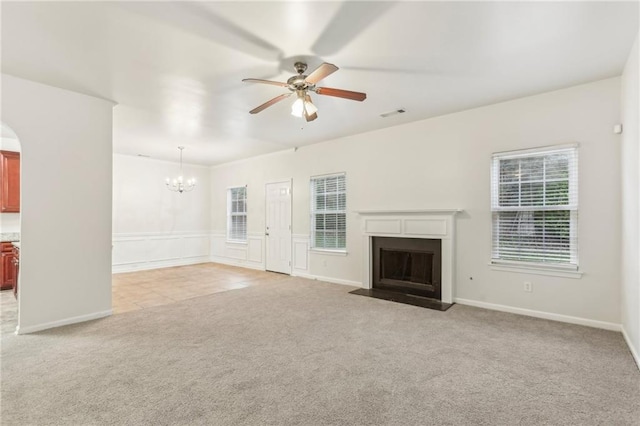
(155, 287)
(8, 312)
(144, 289)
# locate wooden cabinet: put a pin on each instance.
(16, 267)
(7, 255)
(10, 186)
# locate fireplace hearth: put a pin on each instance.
(407, 270)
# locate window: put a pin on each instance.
(328, 212)
(237, 214)
(534, 201)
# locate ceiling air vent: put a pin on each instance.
(394, 112)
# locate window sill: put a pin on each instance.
(536, 269)
(244, 243)
(329, 252)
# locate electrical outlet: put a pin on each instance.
(528, 287)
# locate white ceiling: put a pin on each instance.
(175, 68)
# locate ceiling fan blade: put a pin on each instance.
(321, 72)
(228, 82)
(269, 103)
(258, 80)
(309, 117)
(201, 20)
(339, 93)
(350, 20)
(394, 70)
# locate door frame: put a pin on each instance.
(266, 213)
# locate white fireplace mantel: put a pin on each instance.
(423, 223)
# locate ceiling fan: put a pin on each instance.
(301, 85)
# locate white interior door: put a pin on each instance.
(278, 227)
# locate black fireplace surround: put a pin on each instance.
(408, 266)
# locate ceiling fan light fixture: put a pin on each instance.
(297, 109)
(310, 108)
(303, 106)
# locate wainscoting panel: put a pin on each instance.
(236, 251)
(164, 248)
(255, 249)
(248, 255)
(139, 251)
(383, 226)
(300, 254)
(425, 226)
(129, 251)
(196, 246)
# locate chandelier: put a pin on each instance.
(179, 184)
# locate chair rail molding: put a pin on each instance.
(249, 254)
(151, 250)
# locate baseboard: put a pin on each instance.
(633, 350)
(540, 314)
(240, 263)
(328, 279)
(60, 323)
(157, 264)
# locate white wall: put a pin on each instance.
(65, 258)
(631, 203)
(253, 173)
(152, 226)
(444, 162)
(9, 222)
(10, 144)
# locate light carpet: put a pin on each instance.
(298, 352)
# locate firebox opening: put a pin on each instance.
(408, 266)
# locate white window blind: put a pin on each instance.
(237, 214)
(329, 212)
(534, 201)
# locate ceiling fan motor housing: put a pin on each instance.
(298, 82)
(300, 67)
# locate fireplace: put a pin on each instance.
(407, 266)
(437, 227)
